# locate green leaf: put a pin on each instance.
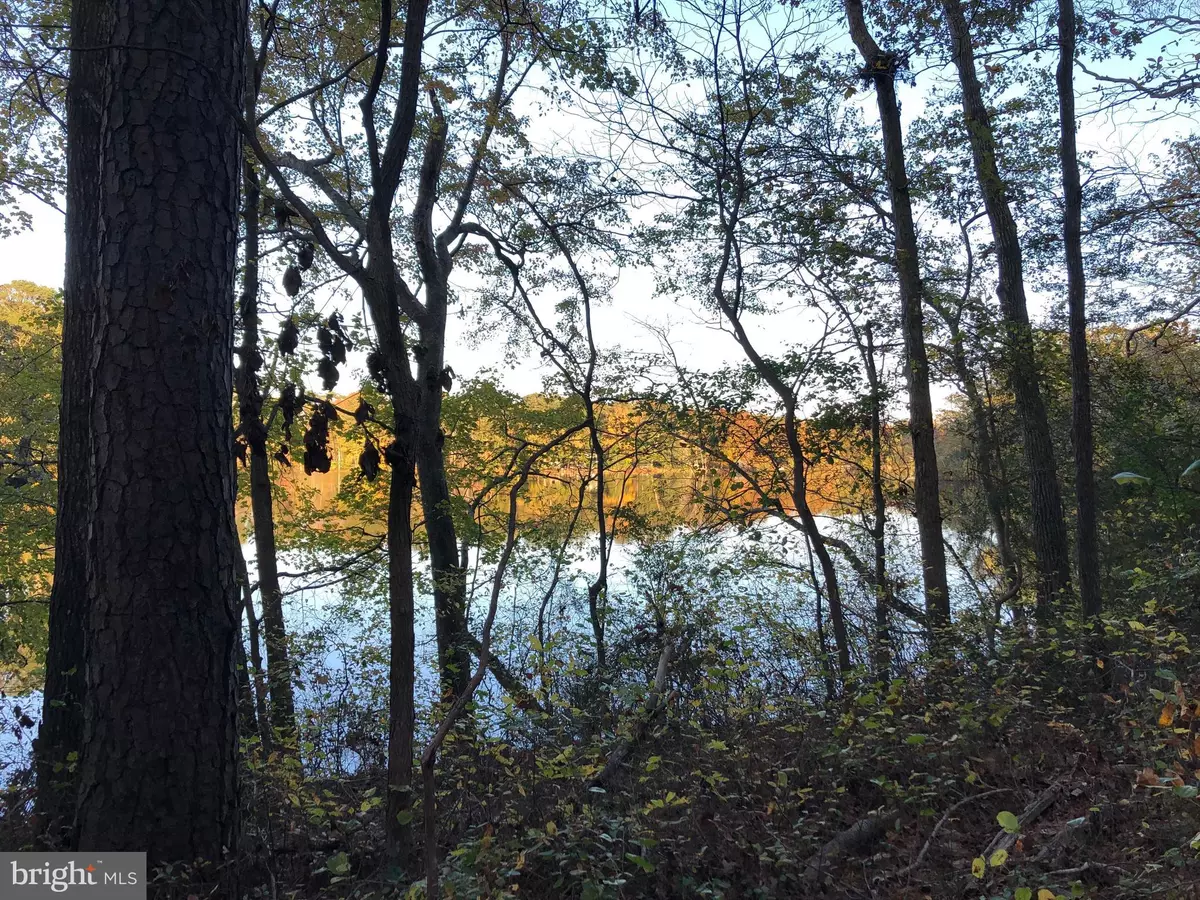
(1186, 791)
(641, 862)
(999, 858)
(1022, 893)
(338, 864)
(916, 739)
(405, 816)
(1130, 478)
(1008, 822)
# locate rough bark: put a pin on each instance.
(158, 769)
(62, 711)
(927, 504)
(254, 432)
(1047, 527)
(1086, 536)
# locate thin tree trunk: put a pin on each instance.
(1047, 526)
(1087, 542)
(61, 729)
(262, 724)
(402, 666)
(822, 643)
(816, 540)
(247, 714)
(449, 577)
(158, 768)
(927, 502)
(984, 445)
(883, 659)
(598, 589)
(254, 431)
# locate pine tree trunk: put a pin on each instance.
(158, 770)
(61, 730)
(1047, 526)
(927, 502)
(1087, 543)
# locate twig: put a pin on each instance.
(938, 827)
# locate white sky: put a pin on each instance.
(37, 255)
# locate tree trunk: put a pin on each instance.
(449, 577)
(253, 430)
(598, 589)
(262, 723)
(822, 643)
(1086, 539)
(61, 730)
(158, 769)
(927, 502)
(986, 456)
(402, 667)
(816, 541)
(1048, 529)
(882, 654)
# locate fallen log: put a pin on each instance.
(862, 834)
(1005, 840)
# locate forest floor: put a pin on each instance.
(1050, 772)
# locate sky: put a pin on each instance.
(38, 254)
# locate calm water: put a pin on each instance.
(340, 641)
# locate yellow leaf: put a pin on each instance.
(999, 858)
(978, 867)
(551, 828)
(1045, 894)
(1167, 716)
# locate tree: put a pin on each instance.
(1048, 530)
(59, 739)
(881, 67)
(1086, 537)
(252, 429)
(158, 764)
(385, 293)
